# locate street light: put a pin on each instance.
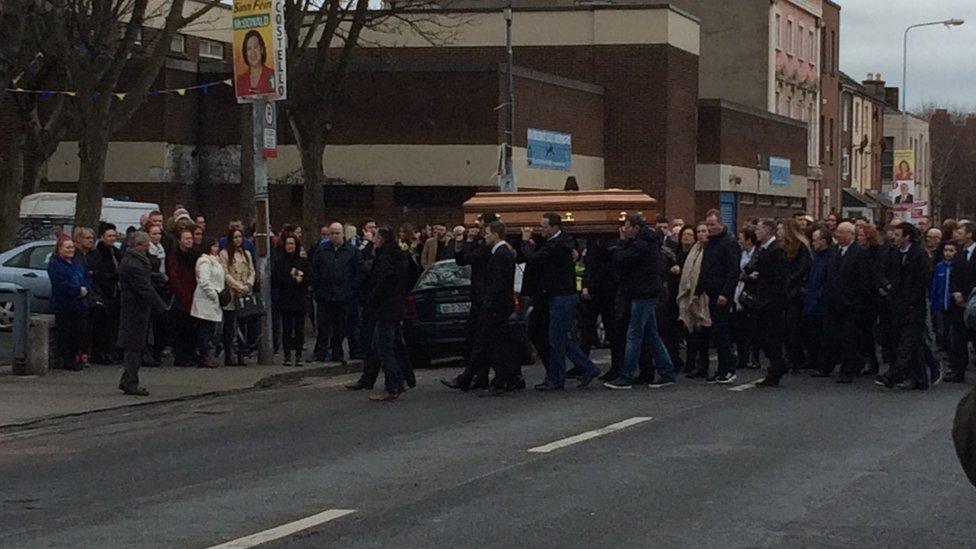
(904, 67)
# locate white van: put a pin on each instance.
(41, 212)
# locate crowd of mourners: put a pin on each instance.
(885, 302)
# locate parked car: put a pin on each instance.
(26, 266)
(438, 309)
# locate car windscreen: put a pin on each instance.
(444, 275)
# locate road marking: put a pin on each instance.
(284, 530)
(545, 449)
(744, 386)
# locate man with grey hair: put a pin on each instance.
(138, 303)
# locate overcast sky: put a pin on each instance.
(941, 62)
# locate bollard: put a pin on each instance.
(19, 298)
(40, 354)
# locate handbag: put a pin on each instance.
(248, 306)
(224, 297)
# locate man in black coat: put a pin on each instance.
(961, 284)
(847, 286)
(557, 286)
(387, 306)
(908, 281)
(337, 265)
(718, 279)
(491, 347)
(766, 277)
(639, 263)
(103, 264)
(139, 301)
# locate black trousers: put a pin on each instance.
(770, 330)
(293, 331)
(592, 311)
(371, 366)
(491, 349)
(229, 336)
(845, 330)
(814, 341)
(743, 329)
(184, 332)
(131, 360)
(795, 348)
(908, 354)
(160, 335)
(74, 333)
(106, 318)
(332, 319)
(959, 350)
(538, 329)
(205, 335)
(869, 343)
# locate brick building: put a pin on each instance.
(739, 150)
(421, 128)
(829, 197)
(953, 164)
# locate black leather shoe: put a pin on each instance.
(546, 387)
(519, 385)
(358, 386)
(135, 390)
(587, 378)
(768, 382)
(575, 373)
(451, 384)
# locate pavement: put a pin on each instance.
(811, 464)
(30, 399)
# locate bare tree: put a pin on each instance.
(98, 41)
(952, 180)
(323, 37)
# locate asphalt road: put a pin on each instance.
(812, 464)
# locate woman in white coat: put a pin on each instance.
(211, 279)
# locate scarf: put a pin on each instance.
(693, 311)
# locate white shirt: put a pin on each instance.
(843, 250)
(743, 261)
(555, 235)
(769, 242)
(969, 251)
(497, 245)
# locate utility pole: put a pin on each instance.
(507, 182)
(263, 112)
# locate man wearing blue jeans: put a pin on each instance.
(552, 266)
(640, 265)
(387, 306)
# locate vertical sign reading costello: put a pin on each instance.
(259, 50)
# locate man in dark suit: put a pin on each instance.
(471, 249)
(718, 279)
(491, 348)
(847, 286)
(908, 279)
(557, 286)
(766, 282)
(961, 284)
(138, 302)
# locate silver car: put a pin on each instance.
(26, 266)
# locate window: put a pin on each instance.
(824, 54)
(888, 159)
(779, 105)
(779, 32)
(789, 37)
(211, 49)
(801, 48)
(764, 200)
(830, 145)
(846, 112)
(179, 44)
(745, 198)
(40, 256)
(823, 141)
(845, 165)
(812, 58)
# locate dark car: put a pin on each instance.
(438, 309)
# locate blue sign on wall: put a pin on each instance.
(550, 150)
(779, 171)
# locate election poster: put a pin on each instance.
(259, 50)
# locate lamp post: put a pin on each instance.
(507, 182)
(904, 67)
(948, 23)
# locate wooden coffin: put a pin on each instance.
(583, 212)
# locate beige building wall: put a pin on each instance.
(719, 177)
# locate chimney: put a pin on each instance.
(875, 86)
(892, 96)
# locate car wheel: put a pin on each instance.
(6, 316)
(419, 359)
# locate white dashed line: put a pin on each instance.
(545, 449)
(284, 530)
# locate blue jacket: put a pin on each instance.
(939, 293)
(67, 279)
(337, 271)
(814, 303)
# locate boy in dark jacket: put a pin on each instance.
(941, 298)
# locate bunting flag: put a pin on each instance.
(118, 95)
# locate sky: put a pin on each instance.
(941, 62)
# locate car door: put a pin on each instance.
(28, 268)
